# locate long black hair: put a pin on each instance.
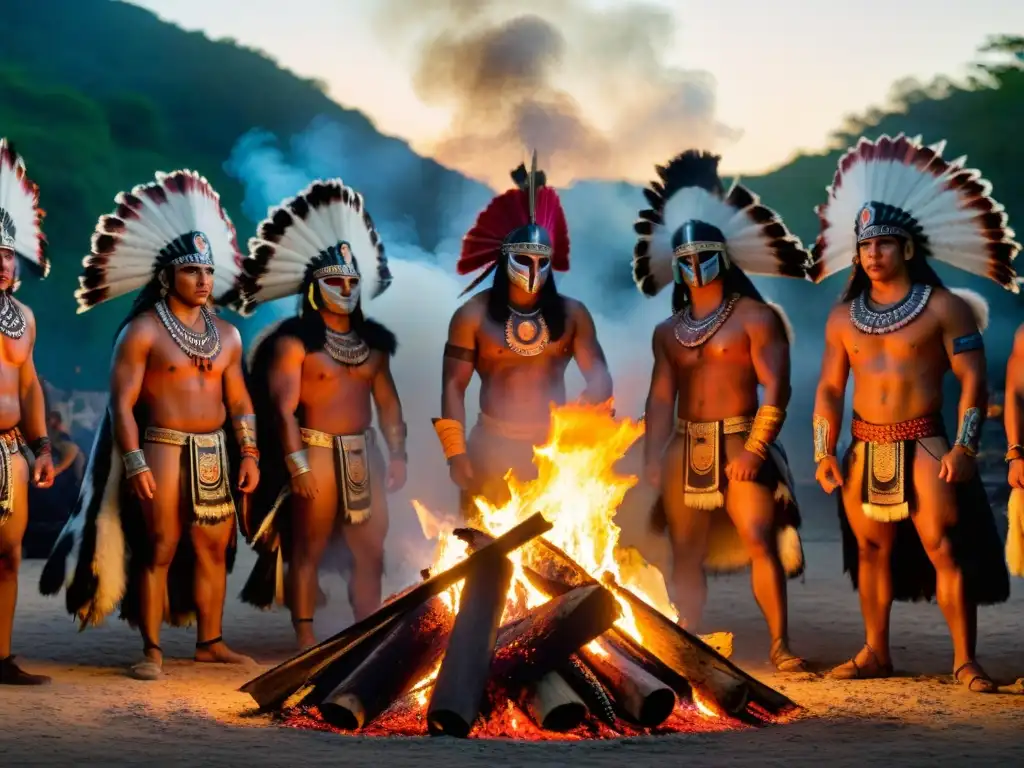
(918, 269)
(734, 280)
(551, 302)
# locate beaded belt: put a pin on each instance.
(912, 429)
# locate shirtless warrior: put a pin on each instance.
(154, 526)
(518, 336)
(710, 448)
(915, 518)
(1013, 422)
(22, 410)
(315, 379)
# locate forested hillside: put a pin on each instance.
(98, 94)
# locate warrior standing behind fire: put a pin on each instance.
(22, 409)
(915, 518)
(518, 336)
(154, 525)
(315, 379)
(722, 342)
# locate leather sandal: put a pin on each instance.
(851, 670)
(986, 685)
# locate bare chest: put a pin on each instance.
(15, 352)
(918, 342)
(727, 347)
(323, 376)
(495, 346)
(170, 366)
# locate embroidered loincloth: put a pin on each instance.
(206, 463)
(703, 462)
(888, 457)
(11, 442)
(352, 470)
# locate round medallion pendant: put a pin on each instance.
(526, 335)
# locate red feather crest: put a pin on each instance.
(481, 247)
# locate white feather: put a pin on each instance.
(19, 197)
(305, 238)
(135, 256)
(955, 231)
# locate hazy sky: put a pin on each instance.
(787, 71)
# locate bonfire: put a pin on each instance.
(532, 623)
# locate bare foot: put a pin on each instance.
(304, 636)
(217, 652)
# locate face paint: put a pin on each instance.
(706, 271)
(528, 270)
(332, 289)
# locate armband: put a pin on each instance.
(41, 447)
(970, 429)
(1014, 452)
(134, 463)
(821, 431)
(297, 463)
(464, 354)
(395, 436)
(765, 430)
(452, 435)
(968, 343)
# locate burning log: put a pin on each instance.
(553, 704)
(409, 651)
(641, 696)
(589, 688)
(689, 661)
(462, 679)
(272, 688)
(551, 633)
(701, 665)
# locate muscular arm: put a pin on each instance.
(389, 410)
(661, 400)
(285, 387)
(967, 359)
(769, 353)
(30, 391)
(590, 358)
(127, 374)
(835, 372)
(458, 366)
(1013, 411)
(236, 394)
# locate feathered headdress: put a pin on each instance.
(303, 239)
(21, 217)
(690, 192)
(902, 188)
(527, 219)
(176, 219)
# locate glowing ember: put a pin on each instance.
(578, 491)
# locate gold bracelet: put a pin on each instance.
(765, 430)
(452, 435)
(821, 430)
(245, 430)
(1014, 452)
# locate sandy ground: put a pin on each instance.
(196, 716)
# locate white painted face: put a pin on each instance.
(340, 293)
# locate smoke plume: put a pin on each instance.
(587, 88)
(425, 293)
